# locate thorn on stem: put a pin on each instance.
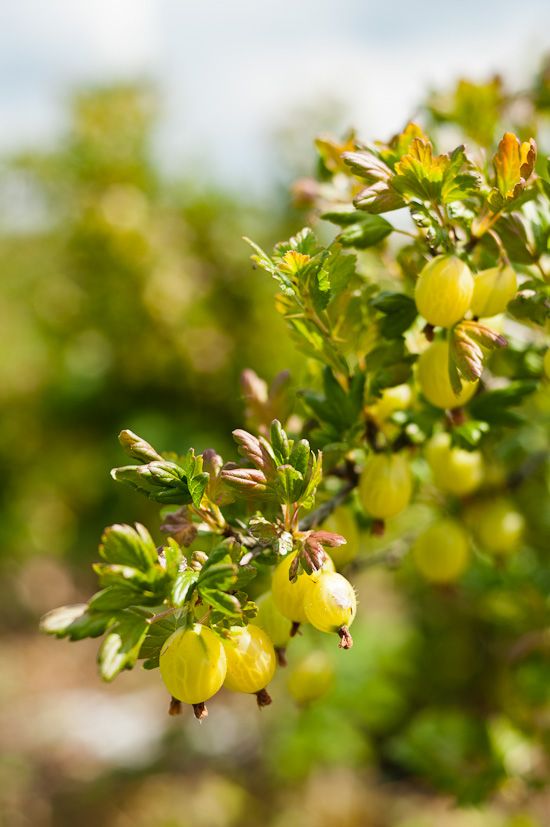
(200, 711)
(346, 640)
(263, 698)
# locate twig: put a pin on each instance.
(162, 615)
(526, 469)
(529, 642)
(390, 556)
(315, 518)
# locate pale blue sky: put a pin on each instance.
(232, 72)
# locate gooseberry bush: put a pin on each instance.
(419, 295)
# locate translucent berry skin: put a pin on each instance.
(251, 659)
(498, 525)
(454, 470)
(270, 619)
(386, 485)
(393, 399)
(312, 678)
(444, 291)
(342, 521)
(289, 597)
(193, 664)
(433, 378)
(442, 551)
(493, 289)
(330, 603)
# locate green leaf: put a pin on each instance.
(389, 364)
(399, 313)
(367, 165)
(196, 479)
(217, 576)
(137, 447)
(156, 634)
(493, 406)
(74, 622)
(58, 620)
(367, 231)
(443, 178)
(218, 555)
(263, 261)
(127, 546)
(163, 482)
(299, 456)
(378, 198)
(115, 598)
(342, 217)
(511, 231)
(304, 242)
(308, 494)
(182, 586)
(121, 647)
(341, 270)
(289, 483)
(227, 604)
(469, 434)
(279, 443)
(531, 304)
(112, 574)
(173, 557)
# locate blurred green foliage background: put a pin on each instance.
(128, 301)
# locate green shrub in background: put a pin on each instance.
(123, 302)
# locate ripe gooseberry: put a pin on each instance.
(493, 289)
(330, 605)
(454, 470)
(270, 619)
(498, 525)
(386, 485)
(442, 551)
(288, 596)
(444, 290)
(193, 664)
(311, 678)
(342, 521)
(391, 400)
(434, 381)
(251, 661)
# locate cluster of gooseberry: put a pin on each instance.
(195, 662)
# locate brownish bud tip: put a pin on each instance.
(295, 628)
(263, 698)
(378, 528)
(456, 416)
(428, 332)
(346, 640)
(280, 651)
(175, 707)
(200, 711)
(293, 570)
